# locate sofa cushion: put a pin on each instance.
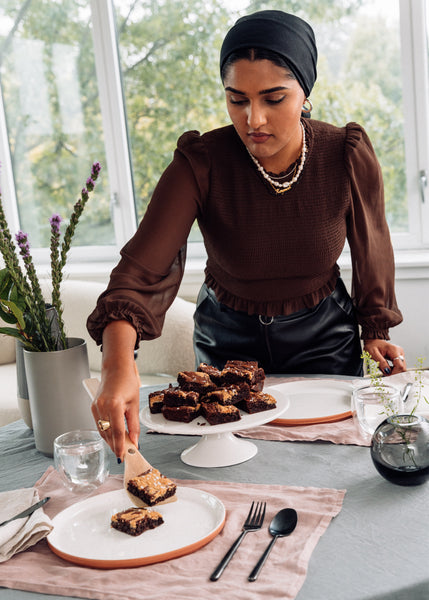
(9, 410)
(7, 347)
(168, 354)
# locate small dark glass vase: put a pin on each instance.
(400, 449)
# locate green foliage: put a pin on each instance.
(171, 77)
(52, 138)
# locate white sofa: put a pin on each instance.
(158, 360)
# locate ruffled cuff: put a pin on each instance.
(374, 334)
(104, 315)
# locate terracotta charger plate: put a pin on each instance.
(82, 533)
(314, 401)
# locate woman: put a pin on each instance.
(275, 195)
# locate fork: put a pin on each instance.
(253, 522)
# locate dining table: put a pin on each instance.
(376, 546)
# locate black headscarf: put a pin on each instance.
(280, 32)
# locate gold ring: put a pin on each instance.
(400, 357)
(103, 425)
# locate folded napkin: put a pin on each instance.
(20, 534)
(40, 570)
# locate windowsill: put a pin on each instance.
(408, 263)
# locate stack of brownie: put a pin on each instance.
(217, 395)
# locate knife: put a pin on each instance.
(27, 511)
(405, 392)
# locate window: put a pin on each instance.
(119, 80)
(53, 118)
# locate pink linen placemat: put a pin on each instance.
(340, 432)
(40, 570)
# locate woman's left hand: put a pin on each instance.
(382, 352)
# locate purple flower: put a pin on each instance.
(89, 184)
(96, 168)
(55, 222)
(22, 241)
(85, 194)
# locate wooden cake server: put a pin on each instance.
(135, 463)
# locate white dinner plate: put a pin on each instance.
(199, 426)
(82, 533)
(314, 401)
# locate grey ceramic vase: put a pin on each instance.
(58, 400)
(21, 378)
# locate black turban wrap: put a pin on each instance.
(280, 32)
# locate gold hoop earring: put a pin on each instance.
(307, 109)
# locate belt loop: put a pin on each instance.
(263, 322)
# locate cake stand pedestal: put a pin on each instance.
(219, 450)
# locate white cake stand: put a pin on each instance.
(218, 447)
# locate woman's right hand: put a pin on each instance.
(118, 398)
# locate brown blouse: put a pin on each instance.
(269, 254)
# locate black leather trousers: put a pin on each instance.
(319, 340)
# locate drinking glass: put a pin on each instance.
(372, 404)
(81, 459)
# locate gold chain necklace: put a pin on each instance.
(281, 188)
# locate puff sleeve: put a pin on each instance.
(368, 235)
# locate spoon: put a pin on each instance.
(282, 524)
(135, 463)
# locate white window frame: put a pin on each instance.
(415, 77)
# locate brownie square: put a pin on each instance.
(156, 401)
(230, 394)
(135, 521)
(178, 397)
(184, 414)
(214, 373)
(151, 487)
(195, 381)
(239, 371)
(241, 391)
(217, 413)
(224, 396)
(258, 402)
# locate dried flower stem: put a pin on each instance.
(33, 327)
(57, 264)
(56, 274)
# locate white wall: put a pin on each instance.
(412, 293)
(412, 334)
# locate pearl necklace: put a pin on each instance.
(281, 188)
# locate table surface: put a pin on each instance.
(375, 549)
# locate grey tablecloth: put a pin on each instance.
(377, 548)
